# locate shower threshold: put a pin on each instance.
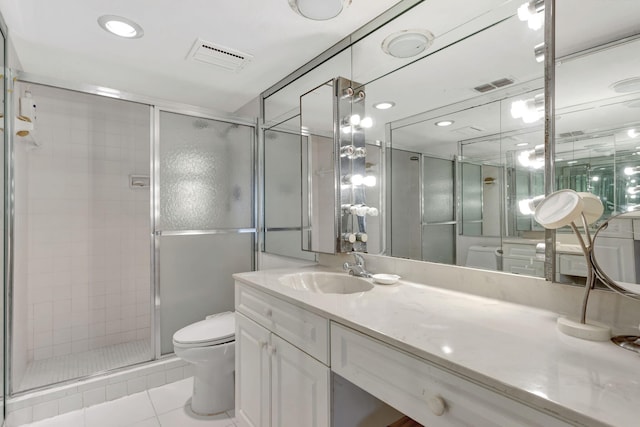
(41, 373)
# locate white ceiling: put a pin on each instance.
(62, 40)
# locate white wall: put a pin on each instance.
(87, 245)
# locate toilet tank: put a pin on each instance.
(485, 257)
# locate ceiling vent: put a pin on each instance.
(220, 56)
(573, 134)
(493, 85)
(470, 131)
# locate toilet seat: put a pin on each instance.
(215, 330)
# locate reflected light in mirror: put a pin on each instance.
(385, 105)
(632, 170)
(633, 133)
(529, 110)
(528, 206)
(444, 123)
(531, 12)
(532, 158)
(366, 122)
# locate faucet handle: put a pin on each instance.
(359, 259)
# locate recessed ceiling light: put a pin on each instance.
(120, 26)
(385, 105)
(626, 86)
(407, 43)
(444, 123)
(318, 10)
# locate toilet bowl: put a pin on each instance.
(485, 257)
(210, 346)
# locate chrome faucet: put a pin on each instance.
(356, 268)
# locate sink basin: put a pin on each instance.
(326, 283)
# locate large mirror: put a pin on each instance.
(461, 142)
(598, 121)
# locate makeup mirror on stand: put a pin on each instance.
(566, 208)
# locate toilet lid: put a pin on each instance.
(214, 330)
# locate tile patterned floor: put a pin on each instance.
(62, 368)
(166, 406)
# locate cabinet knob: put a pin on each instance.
(437, 405)
(268, 312)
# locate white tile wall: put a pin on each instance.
(85, 233)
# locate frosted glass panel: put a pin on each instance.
(406, 211)
(282, 180)
(438, 190)
(438, 244)
(205, 174)
(195, 278)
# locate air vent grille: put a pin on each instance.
(494, 85)
(571, 134)
(220, 56)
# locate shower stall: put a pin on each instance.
(127, 220)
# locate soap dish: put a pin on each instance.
(385, 279)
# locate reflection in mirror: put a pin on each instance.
(319, 225)
(454, 139)
(616, 258)
(597, 118)
(282, 189)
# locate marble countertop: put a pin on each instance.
(513, 349)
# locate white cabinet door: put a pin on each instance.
(299, 387)
(253, 375)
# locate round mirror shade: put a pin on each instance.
(593, 207)
(559, 209)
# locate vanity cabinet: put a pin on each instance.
(277, 383)
(284, 366)
(428, 394)
(520, 257)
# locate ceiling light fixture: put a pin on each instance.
(532, 13)
(319, 10)
(121, 27)
(633, 133)
(407, 43)
(627, 85)
(385, 105)
(444, 123)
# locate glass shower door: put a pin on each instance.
(205, 218)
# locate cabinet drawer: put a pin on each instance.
(305, 330)
(572, 265)
(422, 391)
(524, 267)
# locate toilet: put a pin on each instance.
(485, 257)
(210, 346)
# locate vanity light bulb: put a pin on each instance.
(354, 120)
(357, 179)
(347, 130)
(595, 178)
(518, 108)
(370, 181)
(366, 123)
(631, 170)
(524, 12)
(633, 133)
(536, 21)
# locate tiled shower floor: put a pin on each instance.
(62, 368)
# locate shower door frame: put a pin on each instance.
(155, 107)
(155, 210)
